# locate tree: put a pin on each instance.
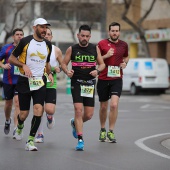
(73, 13)
(138, 25)
(11, 11)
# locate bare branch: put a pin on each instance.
(147, 13)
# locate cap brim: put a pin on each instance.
(42, 24)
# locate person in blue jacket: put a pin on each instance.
(10, 78)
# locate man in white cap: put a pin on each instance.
(34, 56)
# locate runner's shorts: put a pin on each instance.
(9, 91)
(76, 92)
(51, 95)
(25, 95)
(107, 88)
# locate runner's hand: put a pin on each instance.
(27, 71)
(50, 77)
(70, 73)
(7, 66)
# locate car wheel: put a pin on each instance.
(133, 90)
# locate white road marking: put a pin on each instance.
(140, 144)
(145, 106)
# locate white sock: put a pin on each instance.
(8, 121)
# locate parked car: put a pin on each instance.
(146, 73)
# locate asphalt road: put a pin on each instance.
(143, 123)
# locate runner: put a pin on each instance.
(34, 55)
(84, 57)
(115, 55)
(10, 78)
(51, 92)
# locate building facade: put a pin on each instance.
(156, 26)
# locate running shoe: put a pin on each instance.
(73, 128)
(18, 134)
(111, 137)
(30, 146)
(14, 133)
(7, 127)
(80, 145)
(102, 137)
(50, 121)
(39, 138)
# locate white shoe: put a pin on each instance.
(14, 133)
(30, 146)
(50, 121)
(39, 138)
(18, 134)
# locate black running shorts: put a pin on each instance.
(25, 95)
(51, 95)
(107, 88)
(9, 91)
(77, 98)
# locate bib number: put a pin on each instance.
(16, 70)
(35, 83)
(87, 91)
(113, 71)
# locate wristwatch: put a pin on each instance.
(98, 72)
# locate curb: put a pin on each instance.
(165, 97)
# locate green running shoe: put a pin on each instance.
(30, 146)
(18, 134)
(102, 137)
(111, 137)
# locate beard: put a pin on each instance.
(83, 43)
(39, 34)
(114, 39)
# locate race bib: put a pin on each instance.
(113, 71)
(35, 83)
(16, 70)
(87, 91)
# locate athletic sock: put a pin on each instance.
(111, 130)
(80, 136)
(103, 129)
(8, 121)
(36, 120)
(40, 129)
(30, 138)
(20, 123)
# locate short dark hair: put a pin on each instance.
(17, 29)
(85, 27)
(114, 24)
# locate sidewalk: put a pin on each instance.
(166, 96)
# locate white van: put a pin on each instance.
(146, 73)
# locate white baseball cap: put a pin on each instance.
(41, 21)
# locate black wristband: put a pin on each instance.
(51, 73)
(98, 72)
(60, 69)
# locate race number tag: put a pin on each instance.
(87, 91)
(16, 70)
(113, 71)
(35, 83)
